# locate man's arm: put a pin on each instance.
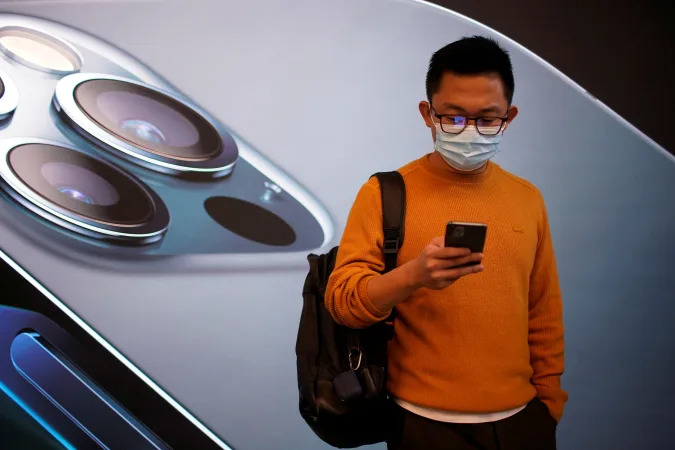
(357, 294)
(359, 259)
(546, 330)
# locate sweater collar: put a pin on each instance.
(445, 172)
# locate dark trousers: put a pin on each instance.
(533, 428)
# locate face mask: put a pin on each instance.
(467, 150)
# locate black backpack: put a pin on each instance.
(342, 371)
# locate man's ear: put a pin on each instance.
(425, 110)
(511, 114)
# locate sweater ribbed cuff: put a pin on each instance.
(376, 313)
(554, 399)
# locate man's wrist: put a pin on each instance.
(409, 278)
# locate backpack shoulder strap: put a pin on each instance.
(393, 220)
(393, 215)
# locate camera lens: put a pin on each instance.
(144, 130)
(38, 50)
(81, 184)
(2, 87)
(82, 193)
(147, 126)
(148, 119)
(77, 195)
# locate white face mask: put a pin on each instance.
(468, 150)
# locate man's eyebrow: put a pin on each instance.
(489, 109)
(452, 106)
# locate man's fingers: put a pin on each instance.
(443, 264)
(437, 242)
(456, 273)
(449, 252)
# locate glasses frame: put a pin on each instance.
(466, 123)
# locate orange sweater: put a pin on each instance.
(489, 342)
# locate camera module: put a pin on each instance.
(458, 231)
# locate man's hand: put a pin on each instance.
(437, 266)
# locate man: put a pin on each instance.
(478, 351)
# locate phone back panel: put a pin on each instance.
(469, 236)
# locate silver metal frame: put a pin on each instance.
(10, 98)
(142, 234)
(65, 103)
(75, 56)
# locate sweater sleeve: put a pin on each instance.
(359, 259)
(546, 332)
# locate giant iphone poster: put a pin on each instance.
(167, 166)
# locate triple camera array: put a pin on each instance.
(143, 125)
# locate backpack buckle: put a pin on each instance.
(355, 357)
(391, 245)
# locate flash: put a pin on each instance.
(39, 51)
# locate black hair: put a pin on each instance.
(473, 55)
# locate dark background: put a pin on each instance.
(621, 52)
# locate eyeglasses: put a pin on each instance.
(487, 126)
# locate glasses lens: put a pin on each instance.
(453, 124)
(488, 126)
(38, 50)
(148, 119)
(81, 184)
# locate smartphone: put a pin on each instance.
(113, 182)
(466, 235)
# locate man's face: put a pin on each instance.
(469, 96)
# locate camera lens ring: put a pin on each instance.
(49, 45)
(146, 225)
(177, 111)
(9, 98)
